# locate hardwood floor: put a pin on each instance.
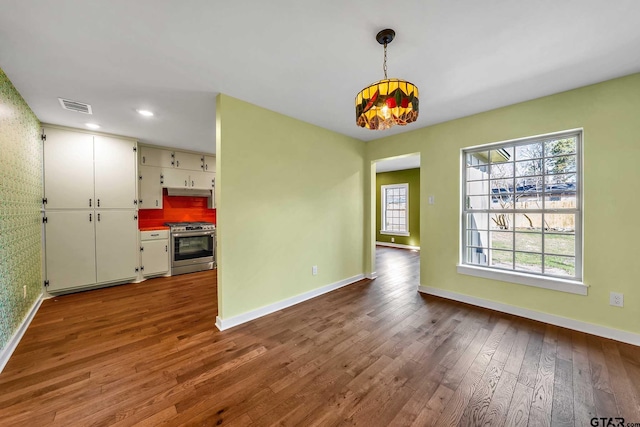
(375, 353)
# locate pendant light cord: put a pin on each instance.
(384, 67)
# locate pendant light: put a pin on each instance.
(388, 102)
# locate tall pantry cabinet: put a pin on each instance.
(90, 204)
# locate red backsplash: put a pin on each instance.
(176, 209)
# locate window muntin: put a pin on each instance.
(395, 209)
(521, 206)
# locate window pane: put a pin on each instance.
(529, 242)
(501, 259)
(501, 240)
(564, 223)
(557, 147)
(560, 244)
(477, 221)
(529, 151)
(560, 265)
(501, 170)
(501, 201)
(501, 221)
(560, 183)
(528, 222)
(477, 172)
(501, 155)
(528, 168)
(563, 164)
(477, 187)
(477, 202)
(531, 263)
(478, 159)
(477, 238)
(561, 201)
(476, 256)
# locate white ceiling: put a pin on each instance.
(398, 163)
(301, 58)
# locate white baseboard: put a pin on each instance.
(565, 322)
(13, 342)
(223, 324)
(371, 275)
(397, 245)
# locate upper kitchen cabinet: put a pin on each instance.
(68, 169)
(210, 164)
(150, 156)
(115, 171)
(84, 171)
(150, 192)
(188, 161)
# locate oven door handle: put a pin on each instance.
(194, 233)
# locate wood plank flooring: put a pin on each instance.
(375, 353)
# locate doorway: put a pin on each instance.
(396, 191)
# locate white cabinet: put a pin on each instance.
(84, 248)
(150, 190)
(154, 247)
(116, 245)
(188, 161)
(68, 169)
(70, 249)
(83, 171)
(115, 172)
(201, 180)
(176, 178)
(210, 164)
(90, 209)
(150, 156)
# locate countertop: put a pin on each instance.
(158, 227)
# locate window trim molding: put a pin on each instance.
(572, 285)
(383, 215)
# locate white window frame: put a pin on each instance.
(383, 210)
(571, 284)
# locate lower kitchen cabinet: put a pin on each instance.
(154, 247)
(70, 249)
(90, 247)
(116, 245)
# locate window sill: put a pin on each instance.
(553, 283)
(395, 233)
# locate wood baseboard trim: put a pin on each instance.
(565, 322)
(397, 245)
(13, 342)
(224, 324)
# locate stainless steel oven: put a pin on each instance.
(193, 247)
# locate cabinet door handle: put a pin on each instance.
(90, 218)
(166, 248)
(89, 202)
(185, 182)
(192, 184)
(98, 217)
(206, 167)
(98, 202)
(156, 203)
(143, 160)
(177, 163)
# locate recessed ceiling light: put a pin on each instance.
(145, 113)
(92, 126)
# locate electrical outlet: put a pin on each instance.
(432, 200)
(616, 299)
(24, 291)
(393, 240)
(314, 270)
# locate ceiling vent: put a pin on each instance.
(76, 106)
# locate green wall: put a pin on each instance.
(20, 202)
(609, 113)
(290, 195)
(411, 177)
